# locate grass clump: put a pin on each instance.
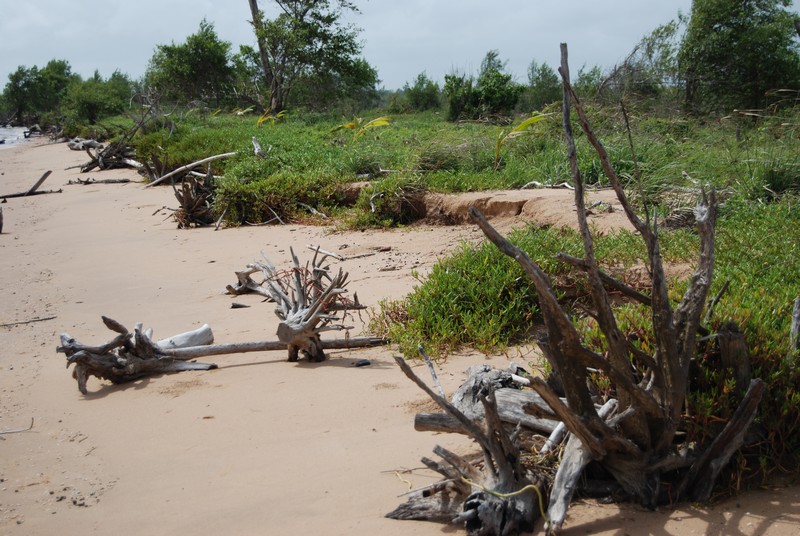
(479, 297)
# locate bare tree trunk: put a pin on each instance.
(276, 91)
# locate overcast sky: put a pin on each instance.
(402, 38)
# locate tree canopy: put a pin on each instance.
(307, 51)
(734, 52)
(198, 69)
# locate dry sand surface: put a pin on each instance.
(259, 446)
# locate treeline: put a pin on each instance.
(722, 56)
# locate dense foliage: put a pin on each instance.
(307, 52)
(199, 69)
(493, 93)
(734, 52)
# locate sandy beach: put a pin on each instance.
(258, 446)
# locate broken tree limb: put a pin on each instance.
(27, 321)
(187, 167)
(607, 279)
(26, 194)
(87, 182)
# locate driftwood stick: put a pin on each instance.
(266, 346)
(712, 303)
(27, 321)
(188, 167)
(576, 457)
(18, 430)
(432, 371)
(1, 220)
(26, 194)
(39, 182)
(555, 439)
(607, 279)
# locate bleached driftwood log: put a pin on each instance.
(130, 355)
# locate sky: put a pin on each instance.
(401, 38)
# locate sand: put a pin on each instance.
(258, 446)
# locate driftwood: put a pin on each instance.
(131, 356)
(34, 190)
(188, 167)
(80, 144)
(573, 461)
(117, 154)
(1, 220)
(306, 299)
(127, 357)
(194, 197)
(510, 402)
(497, 499)
(87, 182)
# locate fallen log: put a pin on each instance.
(268, 346)
(509, 407)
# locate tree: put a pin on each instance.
(32, 92)
(199, 69)
(651, 69)
(424, 94)
(91, 100)
(544, 85)
(498, 93)
(307, 46)
(733, 52)
(493, 93)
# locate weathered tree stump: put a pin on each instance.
(306, 299)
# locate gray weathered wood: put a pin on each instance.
(573, 461)
(509, 406)
(187, 167)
